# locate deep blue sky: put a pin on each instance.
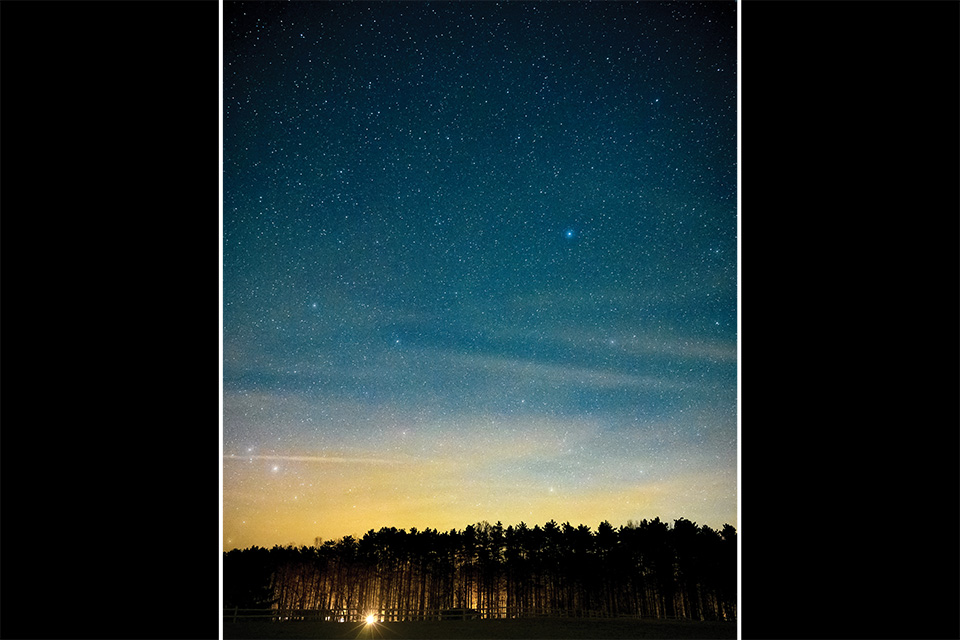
(480, 263)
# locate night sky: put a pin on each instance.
(479, 263)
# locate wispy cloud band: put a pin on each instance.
(317, 459)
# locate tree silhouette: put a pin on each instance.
(248, 579)
(645, 569)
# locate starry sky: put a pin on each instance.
(479, 263)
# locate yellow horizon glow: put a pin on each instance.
(282, 500)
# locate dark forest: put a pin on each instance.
(645, 569)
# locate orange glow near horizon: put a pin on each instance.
(282, 499)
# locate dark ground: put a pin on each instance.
(559, 628)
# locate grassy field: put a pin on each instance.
(558, 628)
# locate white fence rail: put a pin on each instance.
(236, 614)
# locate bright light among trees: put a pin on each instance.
(370, 619)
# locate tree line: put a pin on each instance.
(646, 569)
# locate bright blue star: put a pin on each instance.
(569, 234)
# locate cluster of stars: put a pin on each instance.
(475, 254)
